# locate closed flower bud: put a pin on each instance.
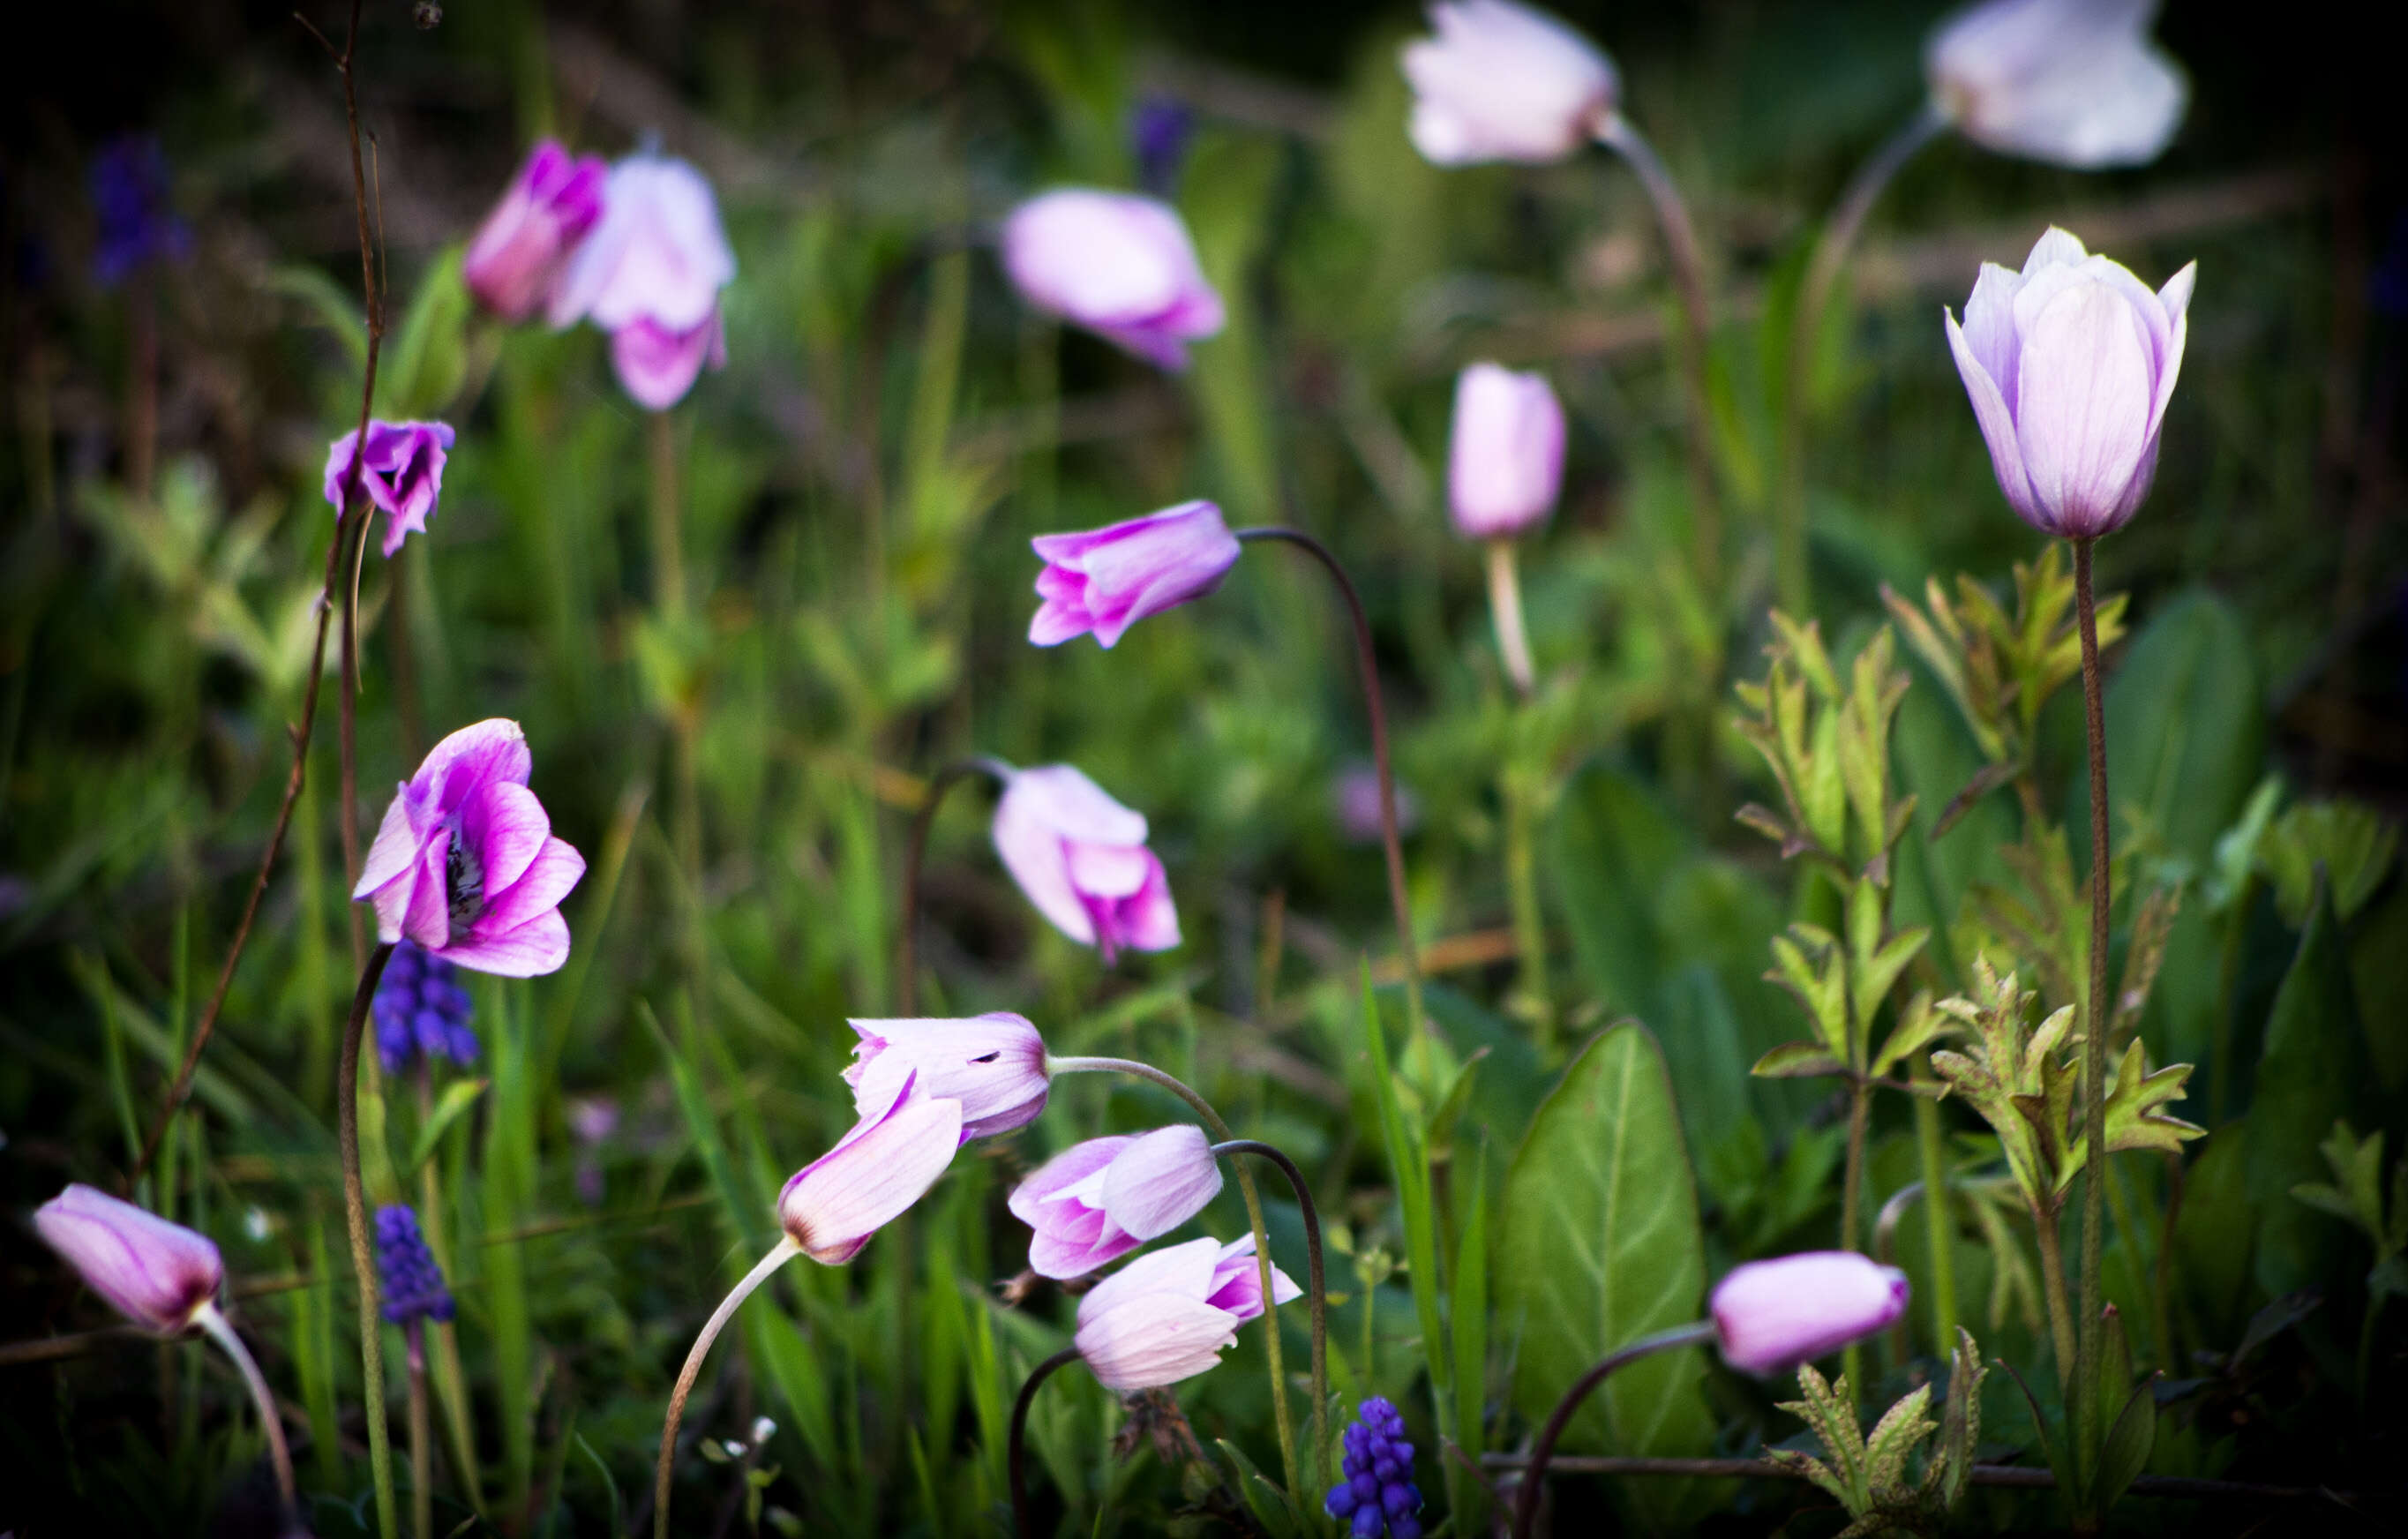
(1080, 857)
(1771, 1316)
(2071, 82)
(1096, 1202)
(1502, 82)
(832, 1205)
(1505, 463)
(1119, 265)
(1103, 581)
(1167, 1315)
(2069, 365)
(402, 473)
(160, 1275)
(649, 274)
(520, 253)
(994, 1065)
(465, 863)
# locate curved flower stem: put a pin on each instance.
(222, 1332)
(1793, 582)
(422, 1463)
(780, 1254)
(373, 297)
(356, 1218)
(2096, 1012)
(1525, 1503)
(1320, 1460)
(1279, 1416)
(1019, 1436)
(1505, 608)
(1689, 280)
(915, 852)
(1399, 895)
(347, 696)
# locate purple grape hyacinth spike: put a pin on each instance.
(1378, 1495)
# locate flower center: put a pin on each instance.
(464, 878)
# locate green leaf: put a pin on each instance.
(2185, 728)
(1469, 1308)
(2126, 1451)
(1599, 1243)
(2311, 1072)
(1611, 839)
(457, 1098)
(2352, 841)
(1410, 1162)
(1797, 1060)
(376, 1153)
(430, 351)
(1893, 1438)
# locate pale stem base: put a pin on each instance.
(221, 1331)
(780, 1254)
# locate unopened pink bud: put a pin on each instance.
(160, 1275)
(1774, 1314)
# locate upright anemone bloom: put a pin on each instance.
(994, 1065)
(515, 261)
(892, 1157)
(160, 1275)
(1119, 265)
(1502, 82)
(1096, 1202)
(649, 274)
(402, 473)
(1505, 461)
(1771, 1316)
(466, 863)
(2072, 82)
(2069, 365)
(1101, 582)
(1080, 857)
(1167, 1315)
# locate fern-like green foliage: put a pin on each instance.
(2355, 1195)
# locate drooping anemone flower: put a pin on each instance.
(2069, 365)
(519, 254)
(904, 1140)
(2072, 82)
(649, 274)
(1167, 1315)
(159, 1275)
(994, 1065)
(401, 473)
(465, 865)
(1502, 82)
(1119, 265)
(1101, 582)
(1769, 1315)
(1081, 859)
(1096, 1202)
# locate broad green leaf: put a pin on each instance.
(2185, 728)
(2351, 841)
(2311, 1072)
(1598, 1244)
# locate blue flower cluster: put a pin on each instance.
(421, 1010)
(1378, 1493)
(406, 1270)
(130, 196)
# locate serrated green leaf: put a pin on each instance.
(1893, 1439)
(1813, 1469)
(1797, 1061)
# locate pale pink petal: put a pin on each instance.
(506, 825)
(494, 750)
(1063, 799)
(1160, 1181)
(1185, 1270)
(1153, 1341)
(556, 868)
(1997, 427)
(1066, 1170)
(396, 847)
(837, 1203)
(533, 949)
(1039, 861)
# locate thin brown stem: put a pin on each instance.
(915, 854)
(2096, 1011)
(1399, 894)
(1018, 1439)
(1689, 282)
(1316, 1293)
(356, 1218)
(182, 1087)
(346, 698)
(1525, 1502)
(780, 1254)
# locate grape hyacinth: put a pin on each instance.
(1378, 1495)
(406, 1270)
(421, 1011)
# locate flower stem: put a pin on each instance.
(1939, 1226)
(1019, 1436)
(1526, 1505)
(422, 1462)
(1690, 281)
(668, 553)
(1320, 1460)
(1520, 797)
(1505, 607)
(2096, 1014)
(1860, 1097)
(222, 1332)
(1794, 581)
(347, 696)
(780, 1254)
(916, 853)
(1399, 895)
(1279, 1416)
(2052, 1279)
(355, 1217)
